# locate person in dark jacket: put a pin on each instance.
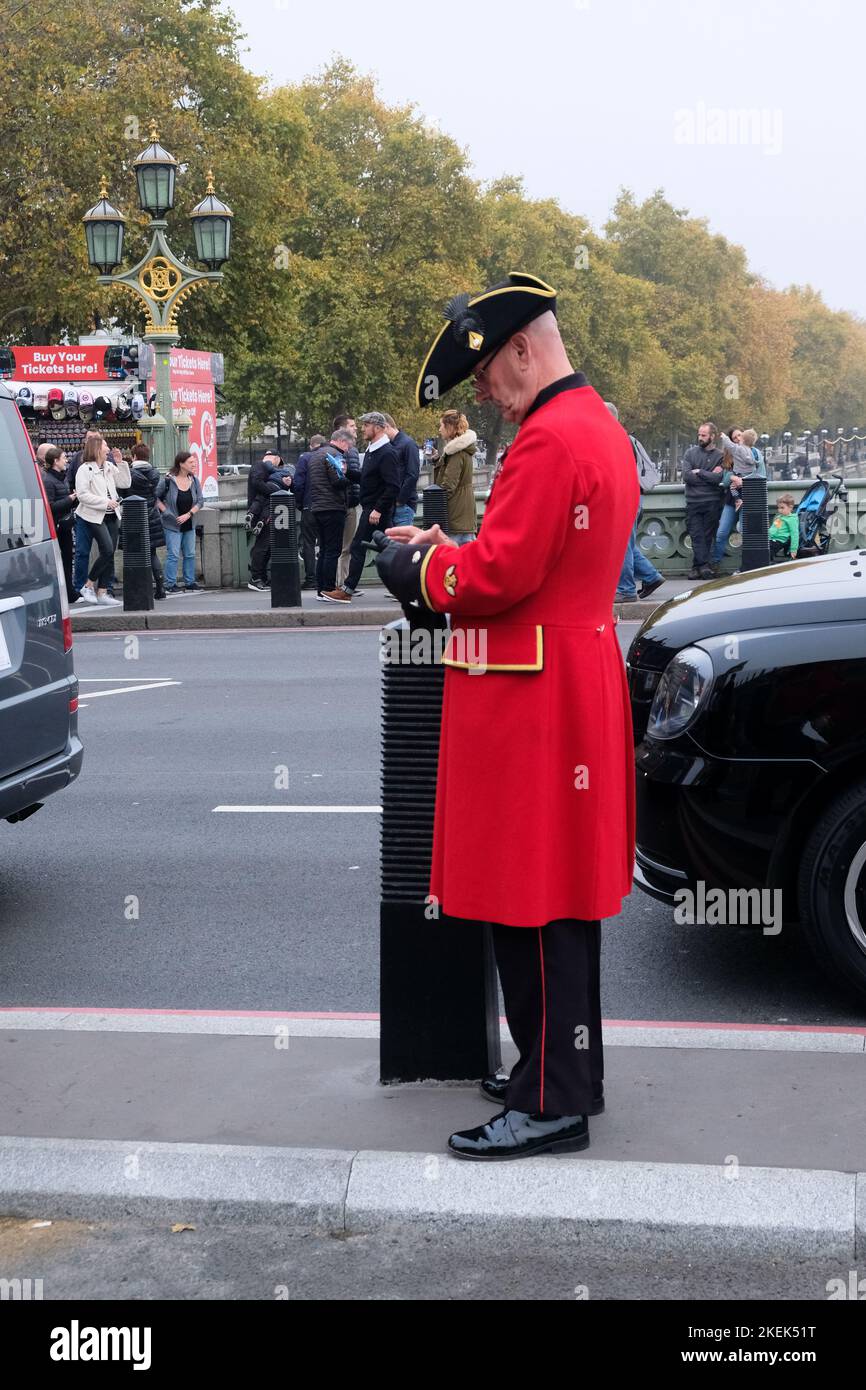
(330, 474)
(307, 528)
(261, 485)
(145, 481)
(380, 484)
(703, 472)
(410, 467)
(61, 501)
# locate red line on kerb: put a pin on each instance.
(375, 1018)
(737, 1027)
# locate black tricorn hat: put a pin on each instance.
(477, 325)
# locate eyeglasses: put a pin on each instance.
(481, 372)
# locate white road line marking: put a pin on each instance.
(130, 689)
(123, 680)
(297, 810)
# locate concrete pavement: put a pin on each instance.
(753, 1149)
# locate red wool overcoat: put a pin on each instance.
(535, 797)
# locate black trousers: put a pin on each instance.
(64, 540)
(358, 555)
(702, 523)
(105, 535)
(261, 553)
(551, 984)
(308, 545)
(329, 526)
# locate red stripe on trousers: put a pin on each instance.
(543, 1018)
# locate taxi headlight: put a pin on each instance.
(683, 690)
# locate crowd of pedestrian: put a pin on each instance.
(713, 473)
(86, 493)
(344, 496)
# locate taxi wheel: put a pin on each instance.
(832, 890)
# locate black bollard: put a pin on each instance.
(137, 572)
(439, 995)
(434, 505)
(285, 561)
(755, 551)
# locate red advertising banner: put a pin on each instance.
(192, 390)
(65, 364)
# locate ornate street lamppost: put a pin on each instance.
(765, 442)
(160, 281)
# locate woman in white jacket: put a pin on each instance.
(96, 483)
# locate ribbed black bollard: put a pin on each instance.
(755, 522)
(435, 507)
(137, 573)
(439, 996)
(285, 561)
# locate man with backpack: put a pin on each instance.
(636, 565)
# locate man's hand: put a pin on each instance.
(375, 517)
(413, 535)
(718, 468)
(736, 481)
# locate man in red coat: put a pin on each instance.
(534, 828)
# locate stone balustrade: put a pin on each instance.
(661, 535)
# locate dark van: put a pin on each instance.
(40, 751)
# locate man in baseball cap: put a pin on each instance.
(380, 484)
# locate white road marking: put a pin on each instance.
(129, 690)
(297, 810)
(123, 680)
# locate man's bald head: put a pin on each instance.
(530, 360)
(41, 452)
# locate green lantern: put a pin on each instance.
(212, 225)
(103, 227)
(155, 171)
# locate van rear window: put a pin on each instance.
(22, 509)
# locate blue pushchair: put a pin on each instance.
(814, 514)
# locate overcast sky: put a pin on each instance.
(582, 97)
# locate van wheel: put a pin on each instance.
(831, 889)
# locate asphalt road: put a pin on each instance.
(139, 1260)
(128, 891)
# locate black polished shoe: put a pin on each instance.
(495, 1087)
(693, 574)
(514, 1134)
